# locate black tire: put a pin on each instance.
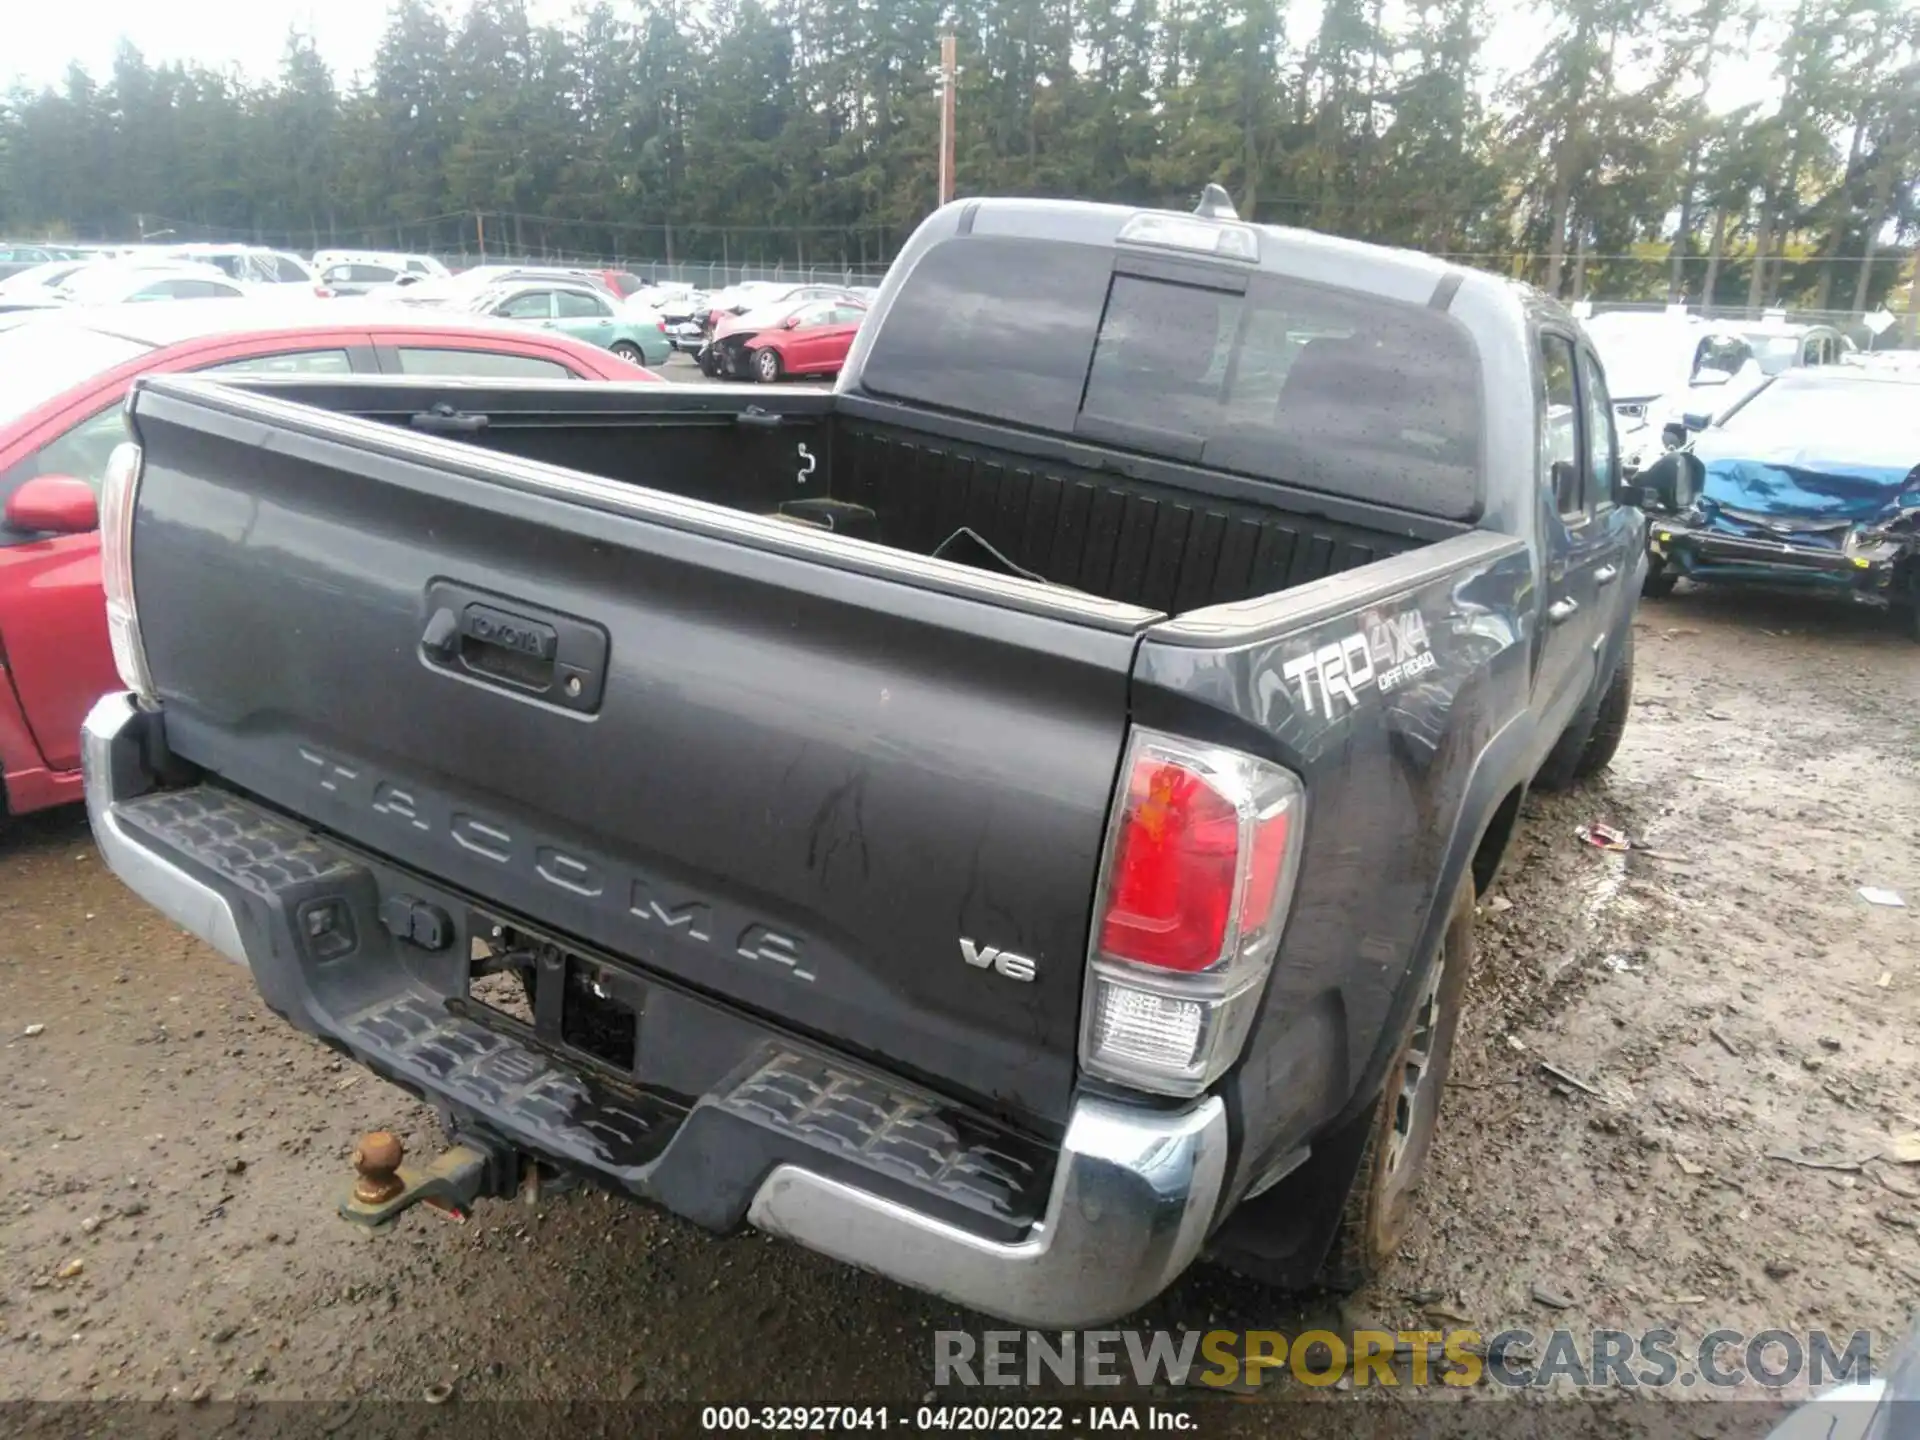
(1659, 582)
(766, 366)
(1616, 708)
(708, 362)
(629, 351)
(1906, 609)
(1406, 1117)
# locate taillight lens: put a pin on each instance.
(1202, 849)
(119, 491)
(1174, 861)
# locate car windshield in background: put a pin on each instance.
(1845, 419)
(1774, 352)
(1314, 386)
(41, 361)
(479, 302)
(1642, 359)
(102, 284)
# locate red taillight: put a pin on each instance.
(1202, 848)
(323, 292)
(1174, 864)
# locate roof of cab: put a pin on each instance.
(1411, 276)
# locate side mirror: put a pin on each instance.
(792, 323)
(1668, 486)
(53, 504)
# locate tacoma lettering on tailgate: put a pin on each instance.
(684, 917)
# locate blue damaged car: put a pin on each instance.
(1813, 480)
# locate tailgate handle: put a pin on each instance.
(443, 419)
(760, 419)
(524, 649)
(504, 646)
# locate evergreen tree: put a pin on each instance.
(761, 131)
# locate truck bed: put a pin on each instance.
(1151, 533)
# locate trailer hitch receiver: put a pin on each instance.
(384, 1184)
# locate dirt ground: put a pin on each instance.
(170, 1153)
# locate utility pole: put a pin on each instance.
(1913, 302)
(948, 47)
(480, 234)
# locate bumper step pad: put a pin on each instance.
(783, 1103)
(893, 1131)
(250, 846)
(531, 1096)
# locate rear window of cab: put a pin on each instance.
(1328, 389)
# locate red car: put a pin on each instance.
(62, 378)
(811, 337)
(621, 282)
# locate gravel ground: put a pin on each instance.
(170, 1153)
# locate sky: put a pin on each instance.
(37, 44)
(42, 38)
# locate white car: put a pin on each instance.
(397, 261)
(1661, 367)
(33, 288)
(255, 266)
(115, 282)
(682, 310)
(138, 277)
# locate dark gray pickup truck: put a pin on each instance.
(1011, 823)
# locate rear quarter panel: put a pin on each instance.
(1398, 693)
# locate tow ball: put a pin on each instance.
(384, 1184)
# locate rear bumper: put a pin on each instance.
(1713, 554)
(795, 1140)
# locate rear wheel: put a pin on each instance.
(1659, 582)
(1907, 608)
(1380, 1205)
(627, 350)
(1610, 725)
(766, 366)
